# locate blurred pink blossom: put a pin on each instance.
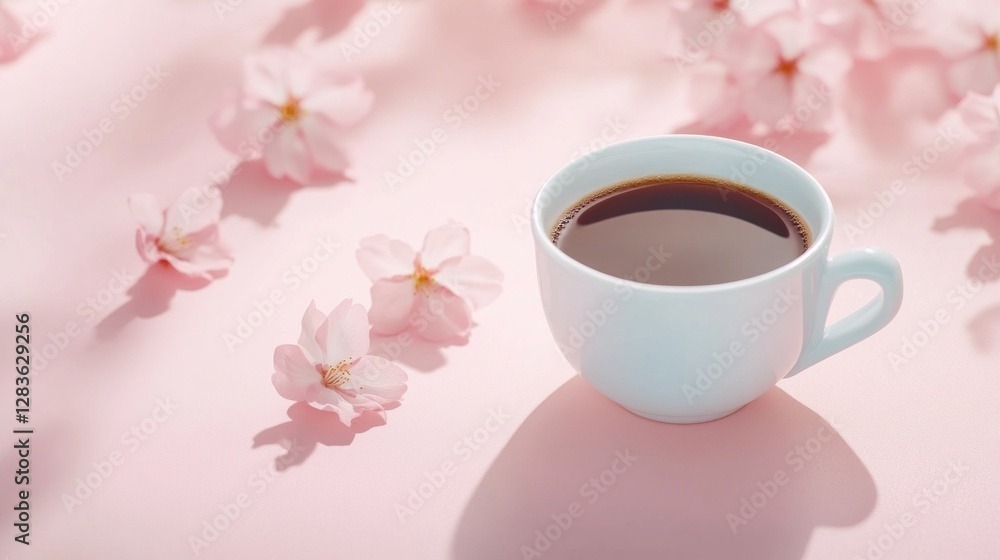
(184, 234)
(783, 74)
(433, 291)
(866, 27)
(699, 28)
(981, 157)
(970, 35)
(290, 113)
(11, 41)
(330, 367)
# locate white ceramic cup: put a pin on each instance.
(696, 353)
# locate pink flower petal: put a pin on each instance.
(245, 128)
(392, 305)
(146, 245)
(287, 155)
(715, 98)
(382, 257)
(188, 268)
(319, 135)
(443, 243)
(380, 380)
(148, 211)
(344, 104)
(194, 211)
(978, 72)
(346, 408)
(473, 278)
(312, 319)
(755, 12)
(443, 316)
(294, 376)
(205, 255)
(827, 63)
(981, 113)
(750, 55)
(346, 333)
(769, 100)
(808, 95)
(264, 76)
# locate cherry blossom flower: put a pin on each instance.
(972, 40)
(866, 26)
(330, 367)
(699, 28)
(785, 74)
(290, 113)
(432, 291)
(981, 115)
(185, 234)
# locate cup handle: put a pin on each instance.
(863, 264)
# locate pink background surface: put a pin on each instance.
(897, 432)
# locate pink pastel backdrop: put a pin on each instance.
(896, 431)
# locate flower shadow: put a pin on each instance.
(795, 144)
(328, 16)
(595, 481)
(972, 213)
(308, 427)
(251, 192)
(149, 296)
(409, 349)
(985, 327)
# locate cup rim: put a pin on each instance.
(821, 239)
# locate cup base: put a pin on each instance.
(682, 419)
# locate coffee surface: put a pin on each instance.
(681, 231)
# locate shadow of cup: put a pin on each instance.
(583, 478)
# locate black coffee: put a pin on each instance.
(682, 230)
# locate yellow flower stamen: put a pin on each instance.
(173, 242)
(422, 280)
(291, 111)
(787, 67)
(337, 374)
(992, 42)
